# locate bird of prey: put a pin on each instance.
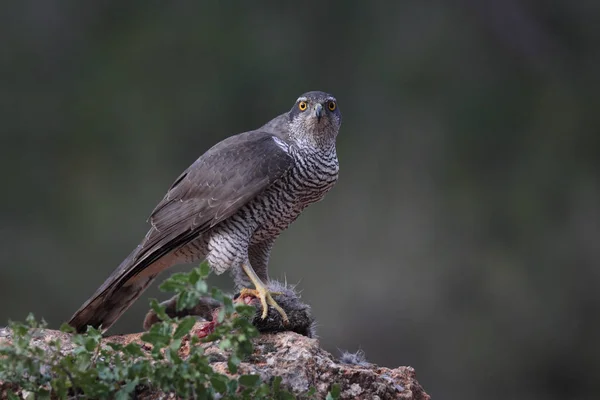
(229, 206)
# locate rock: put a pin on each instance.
(298, 359)
(286, 350)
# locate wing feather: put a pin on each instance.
(214, 187)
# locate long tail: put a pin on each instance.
(116, 295)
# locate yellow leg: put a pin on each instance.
(262, 293)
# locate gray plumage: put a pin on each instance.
(230, 205)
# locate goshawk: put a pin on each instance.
(229, 206)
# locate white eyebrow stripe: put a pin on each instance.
(301, 98)
(330, 99)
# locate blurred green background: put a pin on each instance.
(463, 235)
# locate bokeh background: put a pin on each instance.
(463, 235)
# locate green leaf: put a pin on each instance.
(245, 310)
(225, 344)
(175, 283)
(232, 363)
(126, 390)
(59, 387)
(30, 321)
(201, 287)
(204, 270)
(18, 329)
(311, 392)
(115, 346)
(249, 380)
(156, 339)
(67, 328)
(228, 305)
(94, 333)
(219, 382)
(90, 344)
(173, 353)
(221, 316)
(276, 384)
(285, 395)
(187, 300)
(264, 391)
(184, 327)
(159, 310)
(216, 294)
(336, 390)
(334, 393)
(134, 350)
(232, 386)
(194, 276)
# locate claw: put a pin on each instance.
(266, 300)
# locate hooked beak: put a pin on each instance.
(318, 111)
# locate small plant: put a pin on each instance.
(99, 370)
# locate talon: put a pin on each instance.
(263, 294)
(266, 300)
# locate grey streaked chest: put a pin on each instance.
(312, 176)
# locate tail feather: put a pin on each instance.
(115, 296)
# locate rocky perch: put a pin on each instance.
(296, 358)
(290, 353)
(302, 364)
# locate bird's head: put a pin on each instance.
(316, 118)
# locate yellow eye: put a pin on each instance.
(332, 106)
(302, 105)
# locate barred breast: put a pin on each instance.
(313, 175)
(266, 216)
